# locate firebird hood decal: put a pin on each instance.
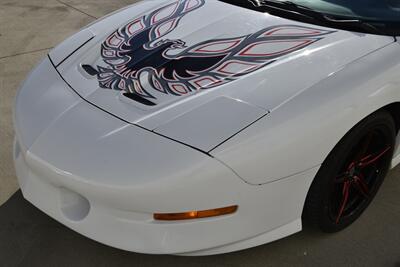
(137, 59)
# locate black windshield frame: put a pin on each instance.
(387, 28)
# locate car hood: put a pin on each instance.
(200, 71)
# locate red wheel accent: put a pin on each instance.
(360, 184)
(366, 161)
(352, 174)
(346, 192)
(354, 177)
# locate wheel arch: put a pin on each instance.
(394, 110)
(390, 110)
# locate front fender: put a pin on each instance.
(299, 134)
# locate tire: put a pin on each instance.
(338, 196)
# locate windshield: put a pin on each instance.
(384, 15)
(377, 10)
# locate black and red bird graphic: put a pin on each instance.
(139, 51)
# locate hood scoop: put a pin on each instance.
(139, 99)
(133, 96)
(90, 70)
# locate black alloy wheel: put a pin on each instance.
(350, 177)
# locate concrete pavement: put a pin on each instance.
(28, 29)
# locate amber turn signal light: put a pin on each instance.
(194, 214)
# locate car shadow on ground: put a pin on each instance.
(31, 238)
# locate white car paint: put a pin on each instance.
(102, 164)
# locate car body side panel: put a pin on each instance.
(300, 133)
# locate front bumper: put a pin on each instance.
(104, 179)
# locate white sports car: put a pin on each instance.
(198, 127)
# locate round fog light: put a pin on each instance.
(74, 206)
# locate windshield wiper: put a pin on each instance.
(277, 3)
(276, 7)
(311, 14)
(355, 23)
